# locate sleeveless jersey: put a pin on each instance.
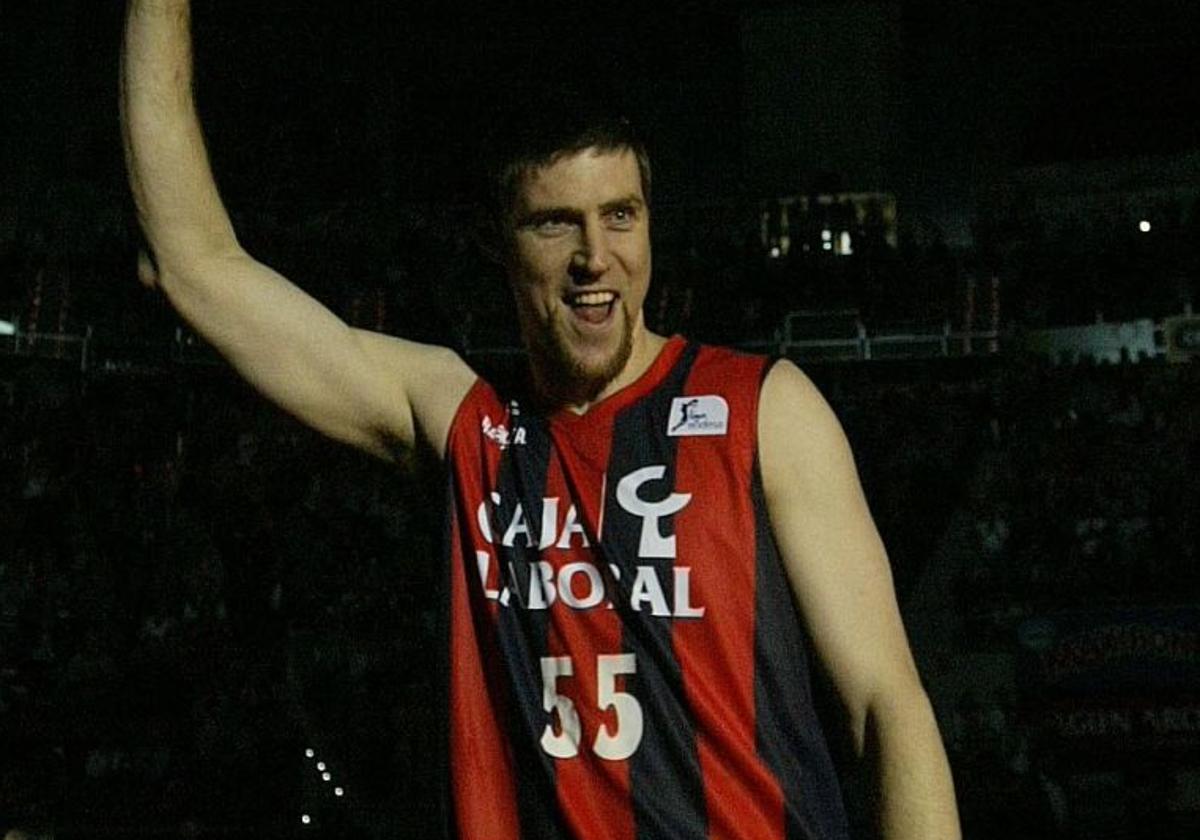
(626, 658)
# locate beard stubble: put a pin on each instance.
(567, 377)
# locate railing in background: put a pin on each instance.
(65, 347)
(812, 336)
(842, 336)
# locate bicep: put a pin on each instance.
(371, 391)
(832, 552)
(435, 383)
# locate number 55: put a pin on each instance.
(607, 745)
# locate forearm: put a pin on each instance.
(177, 200)
(915, 792)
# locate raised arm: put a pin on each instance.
(369, 390)
(842, 582)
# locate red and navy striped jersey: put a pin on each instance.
(626, 660)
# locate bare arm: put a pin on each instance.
(842, 581)
(372, 391)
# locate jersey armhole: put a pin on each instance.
(468, 399)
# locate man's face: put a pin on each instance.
(580, 267)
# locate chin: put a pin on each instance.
(579, 374)
(600, 370)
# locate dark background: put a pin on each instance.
(194, 590)
(339, 101)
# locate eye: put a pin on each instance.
(551, 224)
(622, 217)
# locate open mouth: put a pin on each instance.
(591, 307)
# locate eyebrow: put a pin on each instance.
(541, 214)
(630, 200)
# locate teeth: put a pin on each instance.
(592, 299)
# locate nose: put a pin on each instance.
(590, 260)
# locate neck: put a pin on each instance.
(645, 349)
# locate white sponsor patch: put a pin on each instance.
(702, 415)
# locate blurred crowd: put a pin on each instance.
(1082, 509)
(195, 591)
(1085, 492)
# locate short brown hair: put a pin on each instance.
(542, 128)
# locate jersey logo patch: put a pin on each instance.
(703, 415)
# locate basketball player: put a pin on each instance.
(646, 543)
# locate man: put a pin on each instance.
(644, 541)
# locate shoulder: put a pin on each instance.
(801, 442)
(786, 390)
(788, 396)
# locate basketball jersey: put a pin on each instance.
(626, 658)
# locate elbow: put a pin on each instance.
(902, 706)
(183, 250)
(185, 260)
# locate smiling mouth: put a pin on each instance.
(591, 307)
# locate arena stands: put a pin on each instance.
(195, 591)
